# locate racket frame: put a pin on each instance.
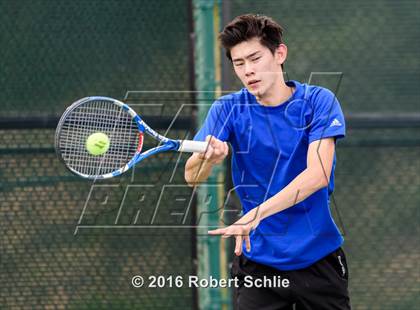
(165, 145)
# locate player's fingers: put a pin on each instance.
(238, 245)
(209, 153)
(218, 151)
(219, 231)
(226, 149)
(229, 232)
(208, 140)
(213, 141)
(247, 243)
(202, 155)
(216, 143)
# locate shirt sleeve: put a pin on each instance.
(328, 119)
(217, 123)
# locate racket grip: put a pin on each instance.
(192, 146)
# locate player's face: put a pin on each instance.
(257, 68)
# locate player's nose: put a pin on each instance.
(249, 69)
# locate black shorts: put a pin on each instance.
(321, 286)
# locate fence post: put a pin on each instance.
(210, 250)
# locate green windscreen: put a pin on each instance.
(71, 243)
(367, 53)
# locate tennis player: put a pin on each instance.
(283, 136)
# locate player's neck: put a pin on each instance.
(276, 95)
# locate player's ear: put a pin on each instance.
(281, 54)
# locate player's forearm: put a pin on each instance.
(197, 170)
(304, 185)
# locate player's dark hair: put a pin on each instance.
(249, 26)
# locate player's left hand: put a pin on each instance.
(240, 230)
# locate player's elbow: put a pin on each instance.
(322, 182)
(323, 179)
(319, 178)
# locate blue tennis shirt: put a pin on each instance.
(270, 146)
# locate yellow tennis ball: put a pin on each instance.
(97, 143)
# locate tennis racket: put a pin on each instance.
(100, 138)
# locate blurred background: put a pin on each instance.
(162, 58)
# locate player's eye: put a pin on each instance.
(238, 64)
(255, 59)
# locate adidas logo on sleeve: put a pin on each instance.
(335, 122)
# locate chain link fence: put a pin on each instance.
(366, 52)
(54, 52)
(372, 43)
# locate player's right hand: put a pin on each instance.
(216, 151)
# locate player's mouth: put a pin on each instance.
(254, 83)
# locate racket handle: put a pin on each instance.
(192, 146)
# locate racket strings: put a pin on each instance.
(98, 116)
